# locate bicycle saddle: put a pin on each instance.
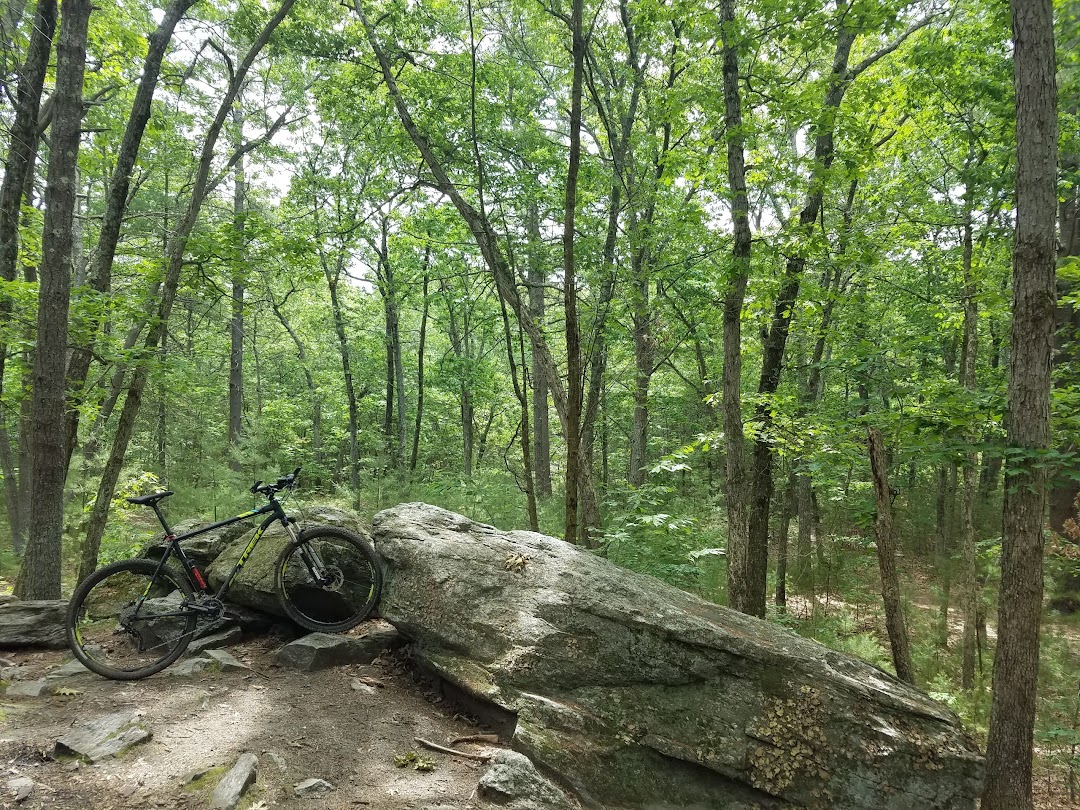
(149, 500)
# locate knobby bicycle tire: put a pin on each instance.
(122, 620)
(353, 589)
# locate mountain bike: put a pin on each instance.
(133, 618)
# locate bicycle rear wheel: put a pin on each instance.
(125, 623)
(329, 579)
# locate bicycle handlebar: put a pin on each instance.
(285, 482)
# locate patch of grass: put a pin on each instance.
(207, 779)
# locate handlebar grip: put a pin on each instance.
(255, 487)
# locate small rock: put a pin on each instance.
(513, 780)
(312, 788)
(192, 667)
(37, 688)
(361, 687)
(70, 669)
(235, 783)
(224, 661)
(21, 787)
(14, 673)
(277, 759)
(317, 651)
(104, 737)
(216, 641)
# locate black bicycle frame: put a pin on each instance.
(274, 512)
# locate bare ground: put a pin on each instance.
(299, 725)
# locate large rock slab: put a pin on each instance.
(104, 737)
(33, 623)
(205, 548)
(254, 587)
(640, 695)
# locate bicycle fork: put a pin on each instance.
(315, 566)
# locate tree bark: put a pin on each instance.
(541, 426)
(886, 553)
(782, 541)
(40, 575)
(420, 364)
(239, 282)
(332, 280)
(971, 461)
(735, 495)
(575, 381)
(775, 340)
(1016, 666)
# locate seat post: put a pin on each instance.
(161, 518)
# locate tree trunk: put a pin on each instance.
(39, 577)
(239, 282)
(575, 381)
(459, 342)
(886, 553)
(804, 552)
(541, 427)
(782, 542)
(775, 339)
(420, 365)
(971, 461)
(643, 360)
(332, 279)
(1016, 665)
(735, 495)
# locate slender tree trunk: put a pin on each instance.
(736, 492)
(775, 339)
(459, 342)
(886, 552)
(541, 427)
(420, 366)
(643, 361)
(1016, 665)
(971, 461)
(804, 552)
(575, 381)
(239, 283)
(332, 279)
(782, 541)
(39, 577)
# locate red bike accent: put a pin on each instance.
(199, 578)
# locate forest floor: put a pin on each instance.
(327, 725)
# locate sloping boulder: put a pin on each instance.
(205, 548)
(254, 587)
(639, 695)
(33, 623)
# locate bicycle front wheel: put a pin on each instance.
(129, 620)
(329, 579)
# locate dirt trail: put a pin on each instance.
(300, 725)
